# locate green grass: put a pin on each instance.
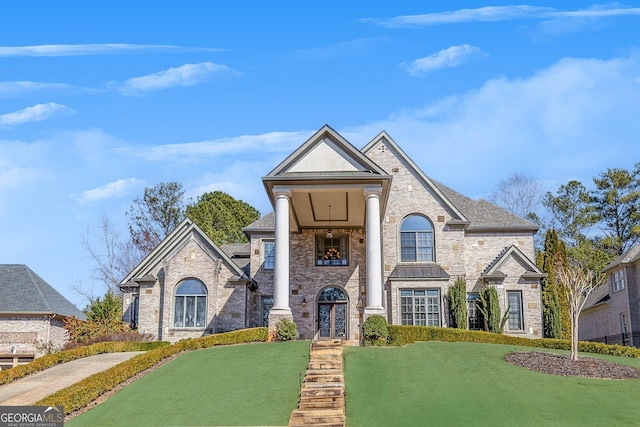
(251, 384)
(438, 383)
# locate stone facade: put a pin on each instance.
(30, 334)
(474, 240)
(193, 256)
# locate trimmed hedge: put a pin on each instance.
(79, 395)
(50, 360)
(400, 335)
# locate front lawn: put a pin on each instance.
(442, 383)
(249, 384)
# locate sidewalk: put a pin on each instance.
(29, 390)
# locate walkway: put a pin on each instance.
(28, 390)
(322, 395)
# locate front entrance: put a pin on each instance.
(332, 313)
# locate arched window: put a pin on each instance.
(190, 308)
(416, 239)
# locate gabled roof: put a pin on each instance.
(629, 257)
(493, 269)
(598, 297)
(184, 232)
(24, 292)
(265, 224)
(345, 159)
(389, 142)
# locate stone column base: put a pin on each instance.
(276, 315)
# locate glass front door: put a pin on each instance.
(332, 314)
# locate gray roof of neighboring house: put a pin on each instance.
(600, 295)
(630, 256)
(23, 291)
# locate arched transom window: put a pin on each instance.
(190, 308)
(416, 239)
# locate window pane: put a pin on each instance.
(416, 223)
(178, 312)
(515, 310)
(433, 307)
(191, 287)
(408, 247)
(333, 251)
(201, 312)
(269, 255)
(189, 311)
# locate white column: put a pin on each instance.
(281, 268)
(374, 251)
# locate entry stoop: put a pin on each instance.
(322, 394)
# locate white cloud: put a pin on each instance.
(500, 13)
(575, 118)
(118, 188)
(446, 58)
(91, 49)
(248, 144)
(341, 49)
(185, 75)
(17, 88)
(36, 113)
(20, 177)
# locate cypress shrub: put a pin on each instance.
(458, 304)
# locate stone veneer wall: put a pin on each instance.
(225, 299)
(29, 332)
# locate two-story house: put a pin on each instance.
(353, 233)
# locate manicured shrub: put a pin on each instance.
(79, 395)
(401, 335)
(375, 330)
(286, 330)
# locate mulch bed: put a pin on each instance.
(560, 364)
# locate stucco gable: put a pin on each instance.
(185, 232)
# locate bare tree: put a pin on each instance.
(578, 284)
(113, 257)
(519, 194)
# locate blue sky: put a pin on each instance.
(99, 100)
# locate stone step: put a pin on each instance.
(326, 343)
(318, 384)
(324, 364)
(334, 404)
(315, 417)
(323, 378)
(314, 372)
(322, 399)
(317, 413)
(322, 391)
(301, 424)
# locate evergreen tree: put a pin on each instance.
(489, 306)
(557, 323)
(458, 304)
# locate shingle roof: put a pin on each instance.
(266, 223)
(630, 256)
(240, 254)
(23, 291)
(484, 215)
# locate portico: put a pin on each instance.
(330, 192)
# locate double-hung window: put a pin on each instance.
(617, 280)
(269, 257)
(416, 239)
(420, 307)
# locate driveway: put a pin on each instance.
(27, 391)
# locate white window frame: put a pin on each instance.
(421, 298)
(268, 256)
(180, 322)
(427, 234)
(617, 280)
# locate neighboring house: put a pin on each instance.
(612, 313)
(354, 233)
(32, 315)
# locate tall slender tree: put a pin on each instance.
(458, 304)
(156, 214)
(555, 311)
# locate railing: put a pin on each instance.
(620, 339)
